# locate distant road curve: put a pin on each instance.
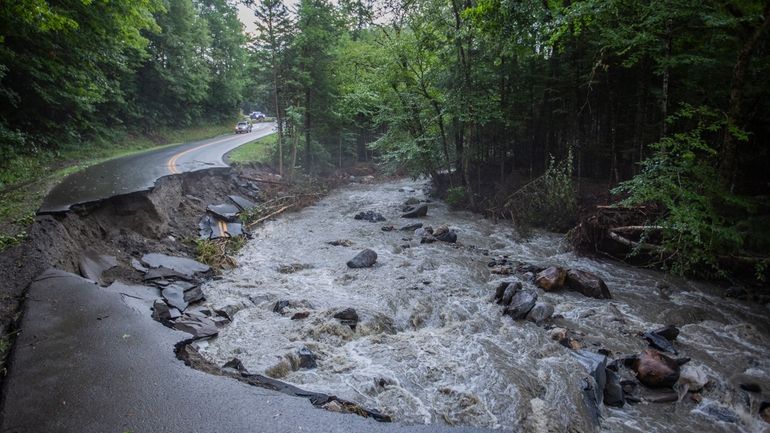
(139, 172)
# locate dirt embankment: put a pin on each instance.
(163, 220)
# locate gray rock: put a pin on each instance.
(596, 365)
(541, 312)
(412, 201)
(613, 391)
(306, 358)
(415, 212)
(280, 306)
(718, 412)
(669, 332)
(521, 303)
(509, 292)
(364, 259)
(235, 364)
(370, 216)
(449, 236)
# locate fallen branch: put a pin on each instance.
(252, 224)
(628, 242)
(272, 182)
(627, 229)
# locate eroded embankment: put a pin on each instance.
(122, 230)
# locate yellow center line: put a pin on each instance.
(171, 164)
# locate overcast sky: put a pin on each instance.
(246, 16)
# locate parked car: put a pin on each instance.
(257, 115)
(242, 127)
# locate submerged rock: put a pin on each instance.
(718, 412)
(446, 236)
(364, 259)
(551, 279)
(415, 211)
(348, 316)
(370, 216)
(587, 283)
(280, 306)
(521, 303)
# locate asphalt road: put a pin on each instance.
(139, 172)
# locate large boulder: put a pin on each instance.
(587, 283)
(445, 234)
(551, 279)
(364, 259)
(656, 370)
(521, 303)
(415, 211)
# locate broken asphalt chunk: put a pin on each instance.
(224, 211)
(198, 327)
(242, 203)
(92, 264)
(174, 296)
(163, 313)
(183, 265)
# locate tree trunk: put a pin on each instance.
(729, 154)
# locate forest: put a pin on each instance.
(523, 110)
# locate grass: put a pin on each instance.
(257, 151)
(26, 179)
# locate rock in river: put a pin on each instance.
(656, 370)
(306, 358)
(370, 216)
(522, 302)
(587, 284)
(551, 279)
(415, 212)
(364, 259)
(348, 316)
(540, 312)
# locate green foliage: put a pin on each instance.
(7, 241)
(699, 223)
(457, 197)
(549, 201)
(260, 150)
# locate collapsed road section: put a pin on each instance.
(88, 354)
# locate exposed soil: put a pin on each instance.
(163, 220)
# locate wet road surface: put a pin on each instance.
(139, 172)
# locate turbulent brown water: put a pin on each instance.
(431, 347)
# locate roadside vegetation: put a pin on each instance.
(27, 179)
(260, 151)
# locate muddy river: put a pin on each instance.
(431, 347)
